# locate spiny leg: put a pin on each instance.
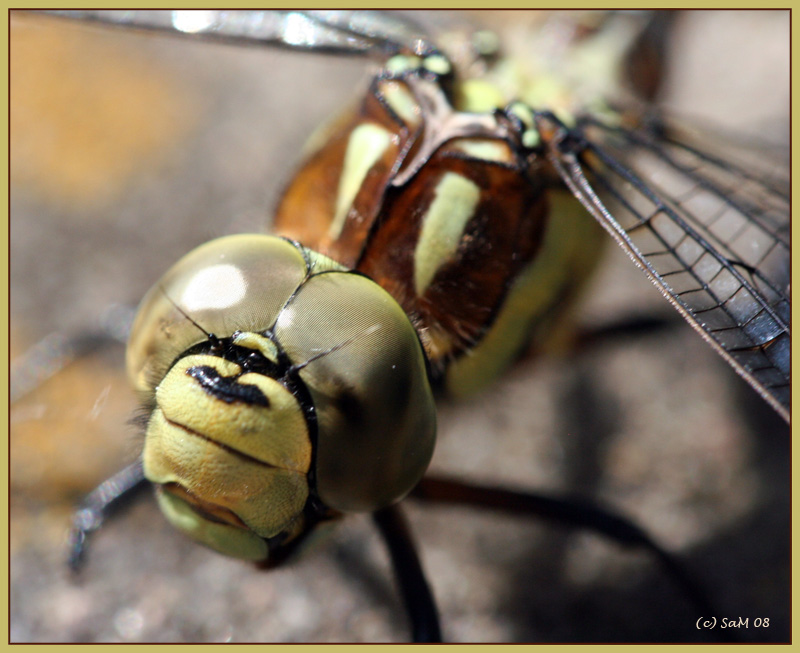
(99, 504)
(417, 596)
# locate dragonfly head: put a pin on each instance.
(282, 390)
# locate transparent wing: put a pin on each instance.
(367, 33)
(713, 236)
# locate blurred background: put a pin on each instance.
(128, 150)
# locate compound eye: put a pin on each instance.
(233, 283)
(368, 380)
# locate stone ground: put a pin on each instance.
(127, 151)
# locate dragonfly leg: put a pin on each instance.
(98, 505)
(635, 326)
(54, 352)
(571, 512)
(417, 596)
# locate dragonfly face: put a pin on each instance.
(482, 425)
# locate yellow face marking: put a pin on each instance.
(259, 343)
(367, 144)
(276, 434)
(228, 540)
(267, 500)
(443, 226)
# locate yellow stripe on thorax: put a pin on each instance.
(539, 302)
(443, 226)
(367, 144)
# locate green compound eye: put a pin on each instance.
(236, 283)
(311, 396)
(374, 406)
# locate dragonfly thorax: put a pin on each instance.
(447, 210)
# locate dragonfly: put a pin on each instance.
(126, 620)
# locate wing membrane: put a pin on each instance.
(714, 237)
(342, 32)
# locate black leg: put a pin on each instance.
(98, 505)
(634, 326)
(417, 596)
(566, 511)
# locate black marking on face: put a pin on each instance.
(227, 389)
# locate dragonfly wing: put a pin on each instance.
(712, 236)
(365, 33)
